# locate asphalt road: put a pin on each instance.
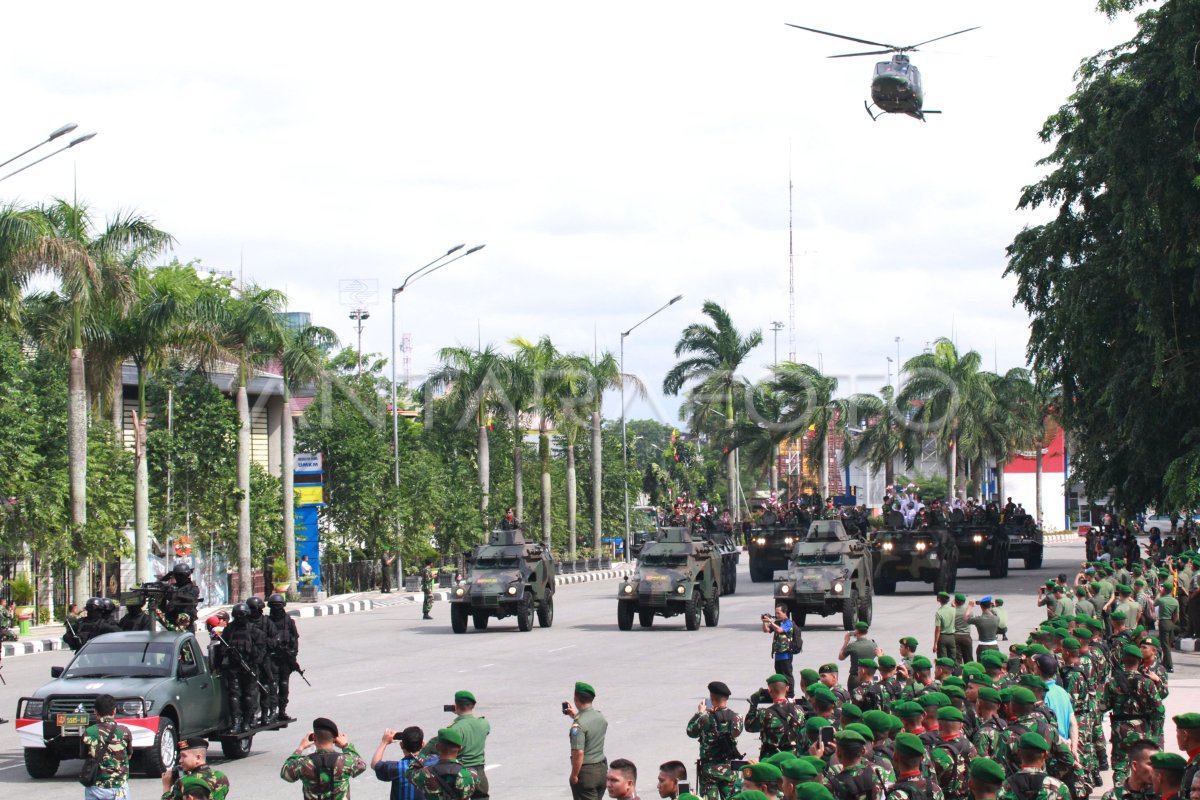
(387, 668)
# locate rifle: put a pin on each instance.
(294, 666)
(241, 661)
(2, 675)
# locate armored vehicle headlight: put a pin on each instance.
(680, 589)
(458, 592)
(629, 588)
(838, 587)
(132, 708)
(978, 538)
(888, 546)
(921, 546)
(761, 540)
(512, 590)
(788, 540)
(33, 709)
(784, 589)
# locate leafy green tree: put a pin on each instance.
(885, 439)
(806, 400)
(1110, 280)
(541, 365)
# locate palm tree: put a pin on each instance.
(473, 377)
(806, 398)
(885, 437)
(759, 432)
(90, 269)
(1009, 424)
(302, 357)
(951, 393)
(541, 363)
(714, 353)
(517, 402)
(247, 329)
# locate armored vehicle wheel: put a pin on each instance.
(1034, 559)
(866, 609)
(693, 610)
(545, 611)
(525, 613)
(799, 617)
(761, 573)
(645, 617)
(732, 579)
(885, 584)
(41, 762)
(235, 747)
(161, 756)
(625, 615)
(480, 618)
(712, 612)
(850, 611)
(458, 617)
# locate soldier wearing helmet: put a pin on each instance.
(136, 618)
(239, 658)
(77, 635)
(268, 700)
(184, 599)
(287, 649)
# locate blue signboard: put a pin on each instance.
(308, 543)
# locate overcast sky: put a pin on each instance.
(610, 155)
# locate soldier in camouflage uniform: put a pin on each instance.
(1076, 680)
(1153, 669)
(447, 779)
(1131, 700)
(1092, 650)
(718, 730)
(852, 778)
(110, 746)
(1061, 762)
(986, 778)
(829, 677)
(959, 751)
(910, 783)
(325, 773)
(193, 765)
(1030, 781)
(991, 727)
(867, 694)
(773, 717)
(1139, 784)
(889, 682)
(427, 589)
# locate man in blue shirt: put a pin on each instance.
(1058, 699)
(780, 629)
(411, 740)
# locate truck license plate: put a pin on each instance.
(79, 721)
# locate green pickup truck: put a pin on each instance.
(164, 691)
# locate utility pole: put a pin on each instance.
(359, 315)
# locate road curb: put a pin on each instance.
(587, 577)
(27, 647)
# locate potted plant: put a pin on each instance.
(279, 575)
(21, 588)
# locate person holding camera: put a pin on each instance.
(589, 767)
(193, 764)
(785, 640)
(773, 717)
(411, 739)
(474, 731)
(326, 772)
(717, 727)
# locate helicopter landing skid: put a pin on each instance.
(874, 117)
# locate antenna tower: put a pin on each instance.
(406, 349)
(791, 274)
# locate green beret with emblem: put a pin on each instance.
(1169, 762)
(950, 714)
(909, 744)
(1033, 741)
(1188, 722)
(909, 642)
(989, 694)
(762, 772)
(986, 770)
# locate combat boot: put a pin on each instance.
(236, 724)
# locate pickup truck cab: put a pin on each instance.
(164, 690)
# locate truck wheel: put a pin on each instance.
(458, 617)
(645, 617)
(866, 609)
(480, 618)
(886, 584)
(712, 612)
(160, 757)
(1034, 559)
(850, 611)
(235, 747)
(625, 615)
(525, 613)
(545, 611)
(692, 611)
(799, 618)
(761, 573)
(732, 578)
(41, 762)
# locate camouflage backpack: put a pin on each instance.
(954, 778)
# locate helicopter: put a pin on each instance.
(896, 85)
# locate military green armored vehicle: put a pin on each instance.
(505, 577)
(1026, 543)
(676, 574)
(982, 546)
(730, 554)
(829, 572)
(769, 548)
(929, 555)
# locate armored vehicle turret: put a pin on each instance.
(829, 572)
(505, 577)
(676, 574)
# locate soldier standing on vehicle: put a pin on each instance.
(858, 649)
(325, 773)
(268, 701)
(588, 728)
(717, 727)
(136, 618)
(427, 589)
(185, 598)
(287, 648)
(474, 732)
(108, 745)
(193, 764)
(785, 640)
(243, 643)
(773, 717)
(943, 628)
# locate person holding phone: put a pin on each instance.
(589, 767)
(333, 762)
(193, 763)
(717, 727)
(475, 731)
(411, 739)
(673, 782)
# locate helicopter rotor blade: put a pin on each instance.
(890, 47)
(938, 39)
(868, 53)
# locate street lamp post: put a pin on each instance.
(624, 440)
(65, 129)
(358, 315)
(413, 277)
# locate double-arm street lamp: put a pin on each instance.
(63, 131)
(433, 266)
(624, 441)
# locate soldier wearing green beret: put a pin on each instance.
(1152, 667)
(810, 741)
(589, 766)
(718, 730)
(943, 628)
(1083, 601)
(1187, 737)
(474, 731)
(1131, 700)
(989, 726)
(449, 778)
(774, 717)
(1139, 785)
(852, 777)
(829, 677)
(763, 777)
(867, 693)
(856, 649)
(1030, 781)
(908, 650)
(922, 679)
(963, 645)
(987, 624)
(953, 776)
(1026, 719)
(891, 686)
(986, 778)
(1168, 774)
(911, 783)
(813, 791)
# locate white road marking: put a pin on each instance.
(485, 666)
(488, 768)
(361, 691)
(11, 766)
(555, 650)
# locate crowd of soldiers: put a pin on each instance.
(1024, 725)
